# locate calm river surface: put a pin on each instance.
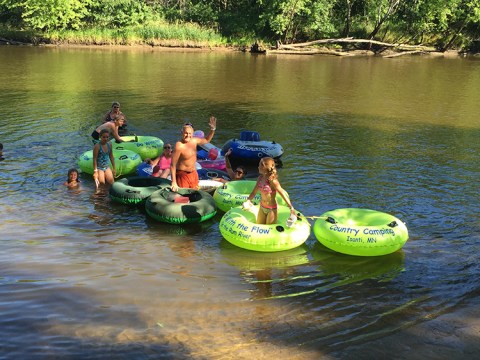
(83, 277)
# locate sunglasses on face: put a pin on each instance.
(167, 147)
(240, 172)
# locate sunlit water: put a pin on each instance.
(84, 277)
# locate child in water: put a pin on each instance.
(72, 179)
(268, 185)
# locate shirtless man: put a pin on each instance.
(182, 168)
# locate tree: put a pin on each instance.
(382, 11)
(50, 14)
(294, 19)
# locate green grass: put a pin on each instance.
(154, 34)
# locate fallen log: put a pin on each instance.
(309, 48)
(310, 52)
(405, 53)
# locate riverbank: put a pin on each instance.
(192, 46)
(203, 48)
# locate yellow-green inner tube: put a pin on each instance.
(145, 146)
(235, 193)
(360, 232)
(239, 227)
(126, 162)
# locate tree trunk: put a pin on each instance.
(348, 19)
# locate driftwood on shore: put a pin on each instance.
(351, 47)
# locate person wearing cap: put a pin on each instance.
(183, 171)
(113, 113)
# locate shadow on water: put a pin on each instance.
(106, 333)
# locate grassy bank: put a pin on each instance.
(155, 34)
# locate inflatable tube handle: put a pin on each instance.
(123, 157)
(132, 191)
(331, 220)
(392, 224)
(212, 174)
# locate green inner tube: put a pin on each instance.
(162, 206)
(235, 193)
(135, 190)
(145, 146)
(126, 162)
(361, 232)
(239, 227)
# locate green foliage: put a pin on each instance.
(119, 13)
(296, 20)
(49, 14)
(25, 36)
(446, 23)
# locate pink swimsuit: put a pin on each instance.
(264, 187)
(165, 163)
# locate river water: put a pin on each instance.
(83, 277)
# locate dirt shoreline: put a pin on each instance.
(202, 48)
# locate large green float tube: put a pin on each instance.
(235, 193)
(239, 227)
(145, 146)
(126, 162)
(162, 205)
(360, 232)
(135, 190)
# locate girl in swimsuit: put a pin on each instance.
(102, 153)
(268, 185)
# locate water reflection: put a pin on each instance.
(247, 260)
(269, 272)
(352, 269)
(101, 206)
